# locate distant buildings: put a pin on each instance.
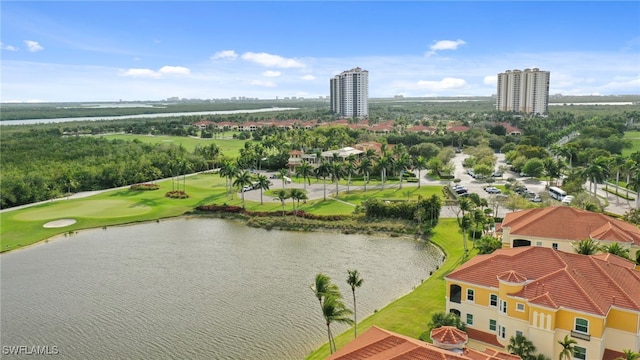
(349, 93)
(523, 91)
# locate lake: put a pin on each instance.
(195, 288)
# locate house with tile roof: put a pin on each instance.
(559, 227)
(448, 344)
(545, 295)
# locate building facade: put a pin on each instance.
(349, 93)
(545, 295)
(523, 91)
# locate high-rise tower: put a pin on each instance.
(350, 93)
(523, 91)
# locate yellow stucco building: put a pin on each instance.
(545, 294)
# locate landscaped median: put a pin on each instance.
(410, 314)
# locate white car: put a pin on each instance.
(567, 199)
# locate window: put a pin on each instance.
(503, 306)
(470, 294)
(502, 332)
(493, 300)
(581, 325)
(469, 319)
(579, 353)
(520, 307)
(519, 333)
(554, 246)
(538, 243)
(493, 325)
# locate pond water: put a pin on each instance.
(194, 288)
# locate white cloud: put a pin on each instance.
(308, 77)
(490, 80)
(445, 45)
(8, 47)
(263, 83)
(174, 70)
(224, 55)
(33, 46)
(148, 73)
(447, 83)
(271, 60)
(142, 73)
(270, 73)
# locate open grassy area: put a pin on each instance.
(228, 146)
(634, 137)
(410, 314)
(406, 193)
(23, 227)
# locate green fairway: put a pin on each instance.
(229, 147)
(634, 137)
(410, 314)
(406, 193)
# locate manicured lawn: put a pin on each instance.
(410, 314)
(229, 147)
(634, 136)
(406, 193)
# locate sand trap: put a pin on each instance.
(59, 223)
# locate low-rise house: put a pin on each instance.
(545, 295)
(560, 227)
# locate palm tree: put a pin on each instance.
(587, 247)
(337, 172)
(324, 290)
(521, 346)
(263, 184)
(243, 179)
(446, 319)
(568, 347)
(323, 171)
(282, 195)
(283, 175)
(297, 195)
(616, 249)
(334, 311)
(634, 184)
(305, 170)
(464, 205)
(364, 168)
(354, 280)
(228, 170)
(350, 167)
(383, 163)
(421, 163)
(629, 355)
(629, 168)
(403, 162)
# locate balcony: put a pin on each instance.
(581, 336)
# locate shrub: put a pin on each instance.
(144, 187)
(176, 195)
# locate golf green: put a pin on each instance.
(85, 208)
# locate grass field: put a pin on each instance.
(229, 147)
(410, 314)
(23, 227)
(634, 136)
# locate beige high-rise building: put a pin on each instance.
(350, 93)
(523, 91)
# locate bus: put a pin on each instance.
(557, 193)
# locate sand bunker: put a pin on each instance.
(59, 223)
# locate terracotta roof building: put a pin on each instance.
(558, 227)
(545, 294)
(380, 344)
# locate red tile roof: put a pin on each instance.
(512, 276)
(380, 344)
(449, 335)
(612, 355)
(568, 223)
(484, 337)
(459, 128)
(596, 282)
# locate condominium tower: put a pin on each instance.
(523, 91)
(350, 93)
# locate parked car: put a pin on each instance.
(492, 190)
(497, 174)
(536, 199)
(567, 199)
(247, 188)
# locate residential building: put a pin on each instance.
(349, 93)
(545, 295)
(523, 91)
(448, 344)
(560, 227)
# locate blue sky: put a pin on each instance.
(152, 50)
